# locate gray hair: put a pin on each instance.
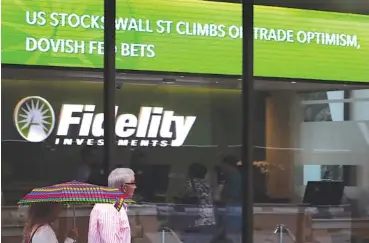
(120, 176)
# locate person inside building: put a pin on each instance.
(197, 190)
(231, 196)
(196, 195)
(231, 193)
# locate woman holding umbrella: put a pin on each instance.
(38, 226)
(46, 204)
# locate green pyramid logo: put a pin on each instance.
(34, 118)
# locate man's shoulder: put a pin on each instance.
(107, 210)
(103, 207)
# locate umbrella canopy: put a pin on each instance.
(75, 192)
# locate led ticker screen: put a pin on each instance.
(187, 36)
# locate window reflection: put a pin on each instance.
(49, 163)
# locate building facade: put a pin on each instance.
(178, 102)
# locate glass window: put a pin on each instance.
(316, 157)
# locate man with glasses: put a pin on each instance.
(107, 225)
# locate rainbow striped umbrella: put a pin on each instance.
(74, 192)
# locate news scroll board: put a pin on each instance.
(187, 36)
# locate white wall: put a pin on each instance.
(312, 173)
(295, 143)
(360, 108)
(338, 143)
(334, 143)
(337, 109)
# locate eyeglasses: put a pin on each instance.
(130, 184)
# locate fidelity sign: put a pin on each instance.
(34, 118)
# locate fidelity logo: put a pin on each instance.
(34, 119)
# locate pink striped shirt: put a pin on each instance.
(107, 225)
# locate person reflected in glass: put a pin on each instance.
(143, 175)
(38, 227)
(91, 170)
(197, 192)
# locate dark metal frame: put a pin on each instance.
(109, 83)
(248, 119)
